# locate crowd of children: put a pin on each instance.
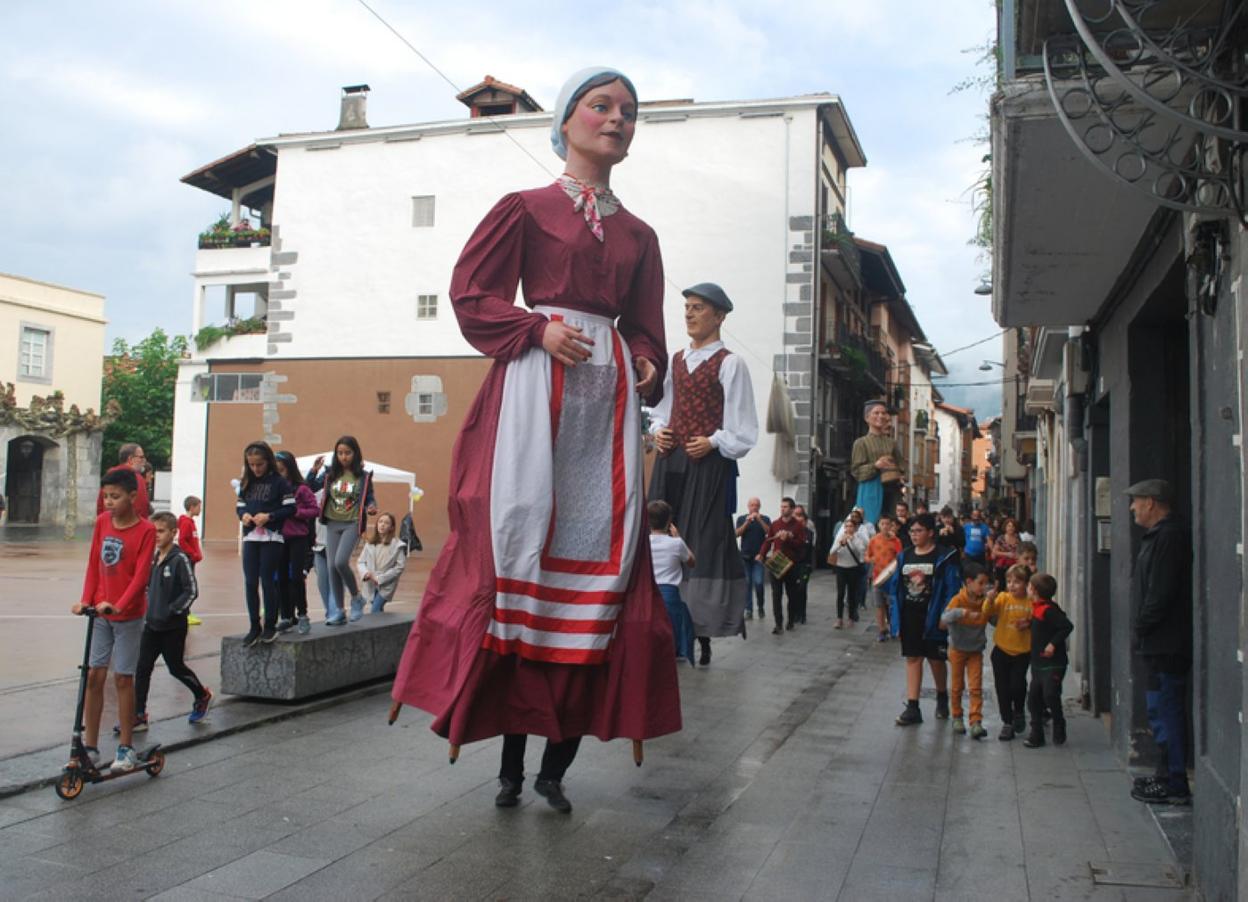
(140, 576)
(942, 603)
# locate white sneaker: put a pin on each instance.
(127, 759)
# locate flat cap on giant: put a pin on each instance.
(1150, 488)
(712, 294)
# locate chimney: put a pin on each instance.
(354, 107)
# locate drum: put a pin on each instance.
(778, 564)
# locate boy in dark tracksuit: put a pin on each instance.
(1049, 629)
(171, 590)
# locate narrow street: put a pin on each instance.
(788, 781)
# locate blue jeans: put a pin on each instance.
(754, 572)
(1166, 701)
(321, 563)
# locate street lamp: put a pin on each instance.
(984, 288)
(987, 365)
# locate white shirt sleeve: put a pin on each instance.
(685, 553)
(661, 415)
(740, 430)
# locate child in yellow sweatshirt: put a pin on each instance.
(1010, 613)
(966, 622)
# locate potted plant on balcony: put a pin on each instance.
(210, 335)
(222, 234)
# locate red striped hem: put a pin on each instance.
(554, 624)
(544, 653)
(506, 586)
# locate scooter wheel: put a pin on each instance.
(155, 764)
(71, 783)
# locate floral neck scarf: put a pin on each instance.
(594, 202)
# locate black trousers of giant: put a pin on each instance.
(261, 561)
(292, 575)
(848, 584)
(698, 492)
(1045, 692)
(779, 587)
(556, 759)
(168, 644)
(1009, 677)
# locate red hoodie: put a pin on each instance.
(188, 539)
(119, 566)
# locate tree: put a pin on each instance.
(141, 379)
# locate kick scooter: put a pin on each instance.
(81, 770)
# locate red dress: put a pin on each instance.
(536, 238)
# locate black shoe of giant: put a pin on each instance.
(1035, 739)
(705, 657)
(508, 793)
(942, 705)
(553, 793)
(252, 638)
(1059, 732)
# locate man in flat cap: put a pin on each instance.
(1161, 590)
(705, 423)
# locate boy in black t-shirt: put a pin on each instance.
(927, 577)
(1049, 628)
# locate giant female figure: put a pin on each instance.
(541, 616)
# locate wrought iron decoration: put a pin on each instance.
(1155, 99)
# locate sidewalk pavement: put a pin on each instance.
(788, 781)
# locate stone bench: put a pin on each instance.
(328, 658)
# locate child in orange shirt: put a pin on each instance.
(881, 552)
(1010, 613)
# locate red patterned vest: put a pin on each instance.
(697, 398)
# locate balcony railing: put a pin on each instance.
(858, 353)
(837, 247)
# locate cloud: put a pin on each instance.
(102, 89)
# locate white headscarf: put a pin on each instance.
(572, 91)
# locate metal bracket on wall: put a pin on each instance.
(1156, 101)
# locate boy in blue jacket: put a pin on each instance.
(928, 576)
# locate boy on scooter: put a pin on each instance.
(116, 586)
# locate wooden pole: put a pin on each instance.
(454, 756)
(638, 755)
(394, 711)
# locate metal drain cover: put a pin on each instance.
(1136, 873)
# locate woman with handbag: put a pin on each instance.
(846, 557)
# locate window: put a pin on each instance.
(427, 306)
(427, 400)
(231, 388)
(35, 354)
(422, 211)
(383, 402)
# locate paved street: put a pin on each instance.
(789, 781)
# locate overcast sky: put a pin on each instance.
(108, 105)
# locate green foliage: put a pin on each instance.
(141, 378)
(209, 335)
